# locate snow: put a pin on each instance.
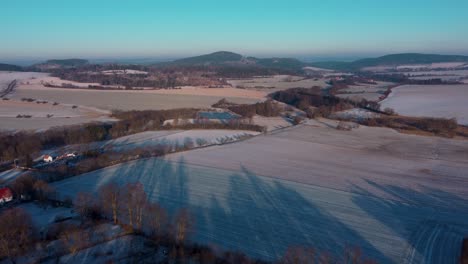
(43, 217)
(10, 175)
(127, 71)
(177, 137)
(448, 101)
(117, 249)
(271, 123)
(312, 185)
(355, 113)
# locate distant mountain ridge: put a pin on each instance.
(10, 67)
(57, 64)
(68, 62)
(391, 60)
(226, 58)
(219, 57)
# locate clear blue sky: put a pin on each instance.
(114, 28)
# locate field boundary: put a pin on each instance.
(9, 89)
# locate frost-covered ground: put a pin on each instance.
(6, 77)
(10, 175)
(119, 250)
(125, 100)
(276, 83)
(449, 101)
(401, 198)
(197, 137)
(355, 113)
(45, 115)
(271, 123)
(371, 92)
(43, 217)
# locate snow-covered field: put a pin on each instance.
(45, 115)
(449, 101)
(10, 175)
(370, 92)
(276, 83)
(7, 77)
(355, 113)
(196, 137)
(271, 123)
(126, 100)
(386, 192)
(127, 71)
(43, 217)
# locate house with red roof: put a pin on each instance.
(6, 195)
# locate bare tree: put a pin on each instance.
(155, 219)
(74, 239)
(43, 191)
(183, 225)
(16, 232)
(299, 255)
(24, 185)
(85, 205)
(110, 200)
(135, 201)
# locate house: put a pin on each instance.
(6, 195)
(70, 155)
(48, 158)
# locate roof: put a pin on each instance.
(5, 192)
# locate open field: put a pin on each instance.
(6, 77)
(276, 83)
(371, 92)
(95, 105)
(197, 137)
(314, 185)
(449, 101)
(129, 100)
(45, 115)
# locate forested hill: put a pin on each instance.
(10, 67)
(391, 60)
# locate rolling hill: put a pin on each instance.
(57, 64)
(391, 60)
(226, 58)
(10, 67)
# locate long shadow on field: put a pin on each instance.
(259, 216)
(431, 222)
(263, 217)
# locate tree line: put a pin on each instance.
(267, 108)
(24, 145)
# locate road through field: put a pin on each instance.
(312, 185)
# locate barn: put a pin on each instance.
(6, 195)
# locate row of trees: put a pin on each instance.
(267, 108)
(312, 101)
(437, 126)
(129, 205)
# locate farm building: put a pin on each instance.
(5, 195)
(48, 158)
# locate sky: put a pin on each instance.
(177, 28)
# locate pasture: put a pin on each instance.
(314, 185)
